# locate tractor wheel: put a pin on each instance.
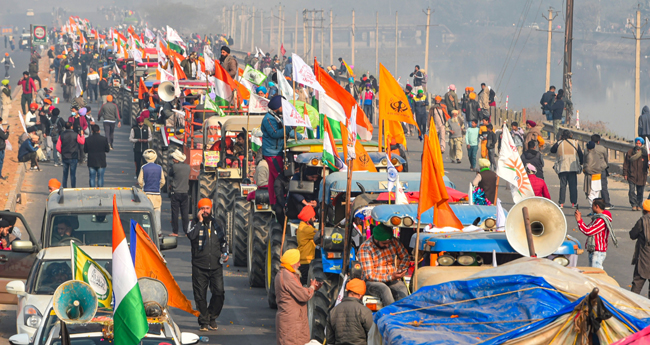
(273, 255)
(207, 182)
(134, 112)
(258, 232)
(194, 197)
(224, 197)
(319, 305)
(164, 163)
(240, 229)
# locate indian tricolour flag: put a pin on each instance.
(330, 156)
(129, 319)
(223, 85)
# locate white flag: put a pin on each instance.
(501, 217)
(258, 104)
(511, 168)
(177, 88)
(172, 35)
(352, 134)
(283, 85)
(148, 34)
(78, 89)
(165, 75)
(400, 196)
(136, 54)
(303, 74)
(291, 117)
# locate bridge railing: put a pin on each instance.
(613, 145)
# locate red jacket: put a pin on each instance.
(82, 121)
(539, 186)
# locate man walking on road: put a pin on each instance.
(598, 233)
(567, 165)
(635, 172)
(4, 136)
(140, 137)
(209, 253)
(641, 259)
(68, 146)
(8, 62)
(179, 174)
(350, 321)
(151, 179)
(110, 112)
(5, 98)
(644, 123)
(29, 90)
(96, 147)
(602, 151)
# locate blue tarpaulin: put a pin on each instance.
(484, 310)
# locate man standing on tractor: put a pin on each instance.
(305, 238)
(384, 261)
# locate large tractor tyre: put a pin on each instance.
(319, 305)
(164, 163)
(273, 255)
(240, 229)
(224, 198)
(207, 182)
(193, 198)
(258, 233)
(134, 112)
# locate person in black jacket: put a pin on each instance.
(535, 158)
(548, 98)
(57, 126)
(96, 147)
(556, 112)
(68, 147)
(350, 321)
(209, 252)
(296, 201)
(4, 135)
(179, 174)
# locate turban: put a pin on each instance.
(452, 87)
(83, 111)
(225, 49)
(178, 155)
(646, 205)
(640, 140)
(472, 95)
(47, 101)
(307, 214)
(382, 233)
(357, 286)
(438, 98)
(149, 155)
(531, 168)
(483, 163)
(5, 82)
(261, 89)
(54, 183)
(419, 91)
(290, 257)
(109, 98)
(531, 123)
(591, 145)
(275, 103)
(205, 202)
(33, 106)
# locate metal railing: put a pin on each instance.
(611, 144)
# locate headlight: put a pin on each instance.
(466, 260)
(490, 223)
(408, 221)
(395, 220)
(383, 161)
(32, 316)
(561, 260)
(394, 161)
(333, 255)
(315, 162)
(446, 260)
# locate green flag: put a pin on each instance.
(210, 105)
(254, 76)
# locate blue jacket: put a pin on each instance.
(273, 136)
(25, 148)
(288, 70)
(151, 174)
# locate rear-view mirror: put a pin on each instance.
(189, 338)
(22, 246)
(16, 287)
(20, 339)
(168, 242)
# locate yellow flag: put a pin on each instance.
(85, 269)
(393, 103)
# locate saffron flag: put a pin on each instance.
(129, 319)
(348, 69)
(393, 104)
(511, 168)
(330, 156)
(394, 130)
(149, 263)
(85, 269)
(362, 162)
(433, 192)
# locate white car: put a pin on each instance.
(51, 268)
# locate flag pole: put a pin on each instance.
(322, 209)
(496, 190)
(348, 214)
(417, 252)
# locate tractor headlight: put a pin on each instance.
(466, 260)
(446, 260)
(394, 161)
(561, 260)
(395, 220)
(315, 162)
(383, 161)
(407, 221)
(490, 223)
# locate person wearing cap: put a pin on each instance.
(209, 248)
(568, 163)
(179, 175)
(5, 98)
(229, 62)
(471, 109)
(291, 322)
(598, 232)
(533, 133)
(352, 88)
(486, 179)
(96, 147)
(539, 186)
(110, 113)
(384, 262)
(418, 77)
(273, 134)
(641, 258)
(27, 152)
(53, 185)
(456, 128)
(305, 237)
(438, 112)
(29, 90)
(451, 99)
(31, 117)
(140, 136)
(635, 172)
(420, 104)
(350, 321)
(8, 63)
(151, 179)
(68, 146)
(593, 167)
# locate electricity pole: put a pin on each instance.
(241, 32)
(568, 50)
(271, 32)
(232, 22)
(352, 58)
(638, 36)
(331, 40)
(548, 45)
(426, 47)
(253, 30)
(304, 33)
(396, 42)
(312, 51)
(377, 43)
(279, 32)
(295, 36)
(322, 37)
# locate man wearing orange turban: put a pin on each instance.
(305, 238)
(209, 253)
(53, 185)
(350, 321)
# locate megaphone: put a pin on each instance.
(154, 296)
(75, 302)
(166, 91)
(547, 223)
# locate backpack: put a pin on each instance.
(57, 127)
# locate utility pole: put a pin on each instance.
(232, 22)
(352, 59)
(568, 52)
(396, 43)
(331, 39)
(283, 25)
(312, 51)
(253, 30)
(241, 32)
(304, 33)
(322, 37)
(638, 36)
(295, 36)
(548, 46)
(426, 47)
(271, 32)
(377, 43)
(261, 28)
(280, 32)
(223, 19)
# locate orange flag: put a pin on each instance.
(242, 93)
(363, 161)
(433, 192)
(142, 89)
(393, 103)
(177, 59)
(149, 263)
(394, 130)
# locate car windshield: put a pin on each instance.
(93, 228)
(52, 273)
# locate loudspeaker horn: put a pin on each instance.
(547, 223)
(75, 302)
(154, 296)
(166, 91)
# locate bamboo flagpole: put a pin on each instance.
(348, 214)
(417, 253)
